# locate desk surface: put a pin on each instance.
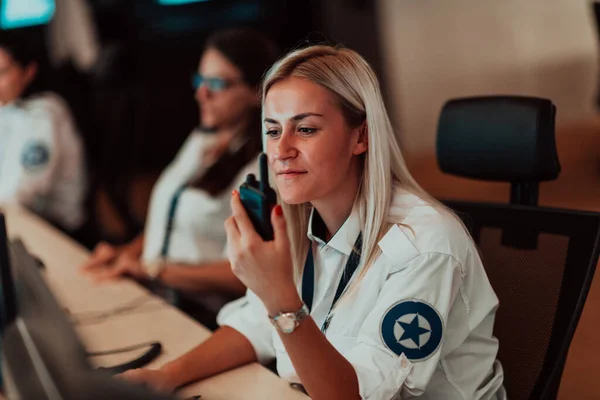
(153, 319)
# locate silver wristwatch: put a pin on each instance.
(289, 321)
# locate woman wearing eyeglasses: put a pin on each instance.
(183, 242)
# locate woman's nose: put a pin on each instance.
(285, 148)
(202, 93)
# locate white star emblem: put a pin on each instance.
(412, 331)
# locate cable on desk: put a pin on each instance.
(122, 349)
(143, 360)
(94, 317)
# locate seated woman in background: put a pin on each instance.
(184, 238)
(371, 288)
(41, 153)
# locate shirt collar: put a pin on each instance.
(343, 240)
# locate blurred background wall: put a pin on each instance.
(434, 50)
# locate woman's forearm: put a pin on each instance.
(324, 372)
(224, 350)
(133, 248)
(210, 277)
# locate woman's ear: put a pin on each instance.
(30, 73)
(362, 144)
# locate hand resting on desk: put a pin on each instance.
(124, 265)
(109, 262)
(154, 379)
(103, 254)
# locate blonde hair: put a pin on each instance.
(354, 84)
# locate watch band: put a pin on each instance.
(289, 321)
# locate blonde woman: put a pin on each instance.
(370, 289)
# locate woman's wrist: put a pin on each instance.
(286, 300)
(127, 249)
(173, 374)
(132, 249)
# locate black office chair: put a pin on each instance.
(539, 260)
(596, 14)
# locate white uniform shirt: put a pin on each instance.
(418, 324)
(41, 160)
(198, 232)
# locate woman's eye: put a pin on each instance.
(307, 131)
(272, 133)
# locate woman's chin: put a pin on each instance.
(293, 198)
(208, 119)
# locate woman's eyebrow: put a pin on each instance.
(300, 117)
(295, 118)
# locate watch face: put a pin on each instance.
(286, 323)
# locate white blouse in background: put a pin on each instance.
(198, 234)
(42, 162)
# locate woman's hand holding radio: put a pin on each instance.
(264, 267)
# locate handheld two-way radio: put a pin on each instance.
(259, 199)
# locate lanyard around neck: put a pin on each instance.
(308, 278)
(164, 251)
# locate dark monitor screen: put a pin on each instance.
(178, 2)
(8, 306)
(42, 356)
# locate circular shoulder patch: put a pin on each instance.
(412, 327)
(35, 156)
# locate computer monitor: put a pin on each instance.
(25, 13)
(8, 307)
(42, 356)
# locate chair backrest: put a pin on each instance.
(540, 261)
(542, 288)
(500, 138)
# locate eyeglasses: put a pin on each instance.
(212, 83)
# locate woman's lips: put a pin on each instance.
(290, 174)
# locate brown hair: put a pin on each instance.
(252, 53)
